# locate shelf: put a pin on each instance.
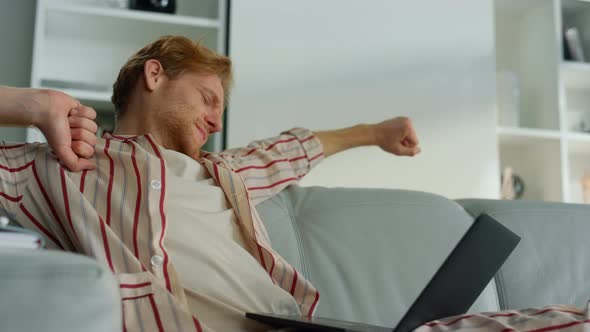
(100, 101)
(576, 75)
(84, 94)
(134, 15)
(525, 136)
(514, 8)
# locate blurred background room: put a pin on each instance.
(498, 90)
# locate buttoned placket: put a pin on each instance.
(154, 183)
(157, 260)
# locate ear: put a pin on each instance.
(153, 73)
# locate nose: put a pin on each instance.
(214, 122)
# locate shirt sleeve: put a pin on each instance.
(268, 166)
(16, 162)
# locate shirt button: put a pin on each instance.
(156, 184)
(157, 260)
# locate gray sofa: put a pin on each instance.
(369, 252)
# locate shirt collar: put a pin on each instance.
(144, 141)
(123, 138)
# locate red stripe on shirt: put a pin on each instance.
(559, 310)
(272, 268)
(261, 255)
(493, 316)
(137, 201)
(8, 147)
(259, 247)
(250, 152)
(156, 314)
(279, 142)
(274, 184)
(269, 164)
(83, 180)
(110, 184)
(559, 327)
(197, 324)
(11, 198)
(40, 227)
(316, 156)
(298, 158)
(123, 316)
(48, 201)
(307, 139)
(216, 172)
(504, 315)
(135, 285)
(136, 297)
(17, 169)
(121, 138)
(162, 214)
(105, 242)
(314, 304)
(64, 191)
(261, 167)
(294, 283)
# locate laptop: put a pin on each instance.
(452, 290)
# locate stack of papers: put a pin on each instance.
(18, 238)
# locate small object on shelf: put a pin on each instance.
(575, 120)
(578, 120)
(572, 39)
(508, 99)
(512, 185)
(161, 6)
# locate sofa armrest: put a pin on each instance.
(370, 252)
(43, 290)
(549, 266)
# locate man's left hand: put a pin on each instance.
(397, 136)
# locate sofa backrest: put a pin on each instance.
(549, 266)
(370, 252)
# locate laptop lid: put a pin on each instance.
(464, 274)
(451, 291)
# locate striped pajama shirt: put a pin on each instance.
(116, 214)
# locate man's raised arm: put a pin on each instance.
(395, 136)
(68, 126)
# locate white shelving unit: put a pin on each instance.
(80, 45)
(550, 146)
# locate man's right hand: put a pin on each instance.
(68, 126)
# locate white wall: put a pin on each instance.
(328, 64)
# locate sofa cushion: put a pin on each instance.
(370, 252)
(56, 291)
(549, 266)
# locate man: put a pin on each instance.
(176, 225)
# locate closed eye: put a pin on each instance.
(204, 96)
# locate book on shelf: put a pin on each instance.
(574, 50)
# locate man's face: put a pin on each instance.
(189, 109)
